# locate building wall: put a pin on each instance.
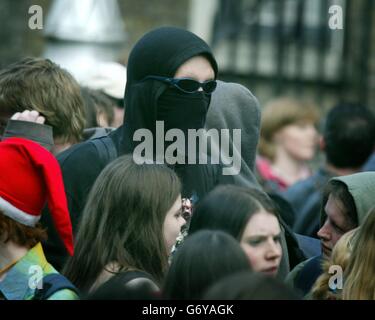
(18, 40)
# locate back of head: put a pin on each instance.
(118, 291)
(104, 108)
(41, 85)
(229, 208)
(250, 286)
(280, 113)
(98, 108)
(360, 275)
(203, 258)
(123, 221)
(90, 108)
(349, 135)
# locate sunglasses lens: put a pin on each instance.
(209, 86)
(188, 85)
(191, 86)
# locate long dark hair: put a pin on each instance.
(123, 220)
(229, 208)
(204, 258)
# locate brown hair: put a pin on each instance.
(41, 85)
(20, 234)
(280, 113)
(123, 222)
(229, 208)
(97, 104)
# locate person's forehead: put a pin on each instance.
(335, 210)
(176, 206)
(196, 67)
(262, 222)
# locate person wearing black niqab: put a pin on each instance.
(160, 53)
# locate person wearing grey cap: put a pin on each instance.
(346, 203)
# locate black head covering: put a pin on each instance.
(159, 53)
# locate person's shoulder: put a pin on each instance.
(79, 163)
(370, 164)
(291, 277)
(79, 152)
(142, 280)
(302, 185)
(88, 154)
(57, 284)
(309, 245)
(306, 262)
(97, 132)
(64, 294)
(301, 189)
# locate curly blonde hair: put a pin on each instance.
(340, 257)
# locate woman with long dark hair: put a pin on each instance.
(130, 223)
(250, 217)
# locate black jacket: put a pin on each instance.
(160, 52)
(81, 165)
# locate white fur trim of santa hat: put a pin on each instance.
(18, 215)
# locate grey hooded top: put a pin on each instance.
(362, 188)
(233, 106)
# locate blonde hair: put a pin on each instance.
(360, 274)
(340, 257)
(280, 113)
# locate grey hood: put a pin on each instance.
(362, 188)
(233, 106)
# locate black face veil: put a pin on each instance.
(160, 53)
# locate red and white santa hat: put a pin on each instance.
(30, 176)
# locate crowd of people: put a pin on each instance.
(94, 218)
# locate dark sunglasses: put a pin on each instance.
(187, 85)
